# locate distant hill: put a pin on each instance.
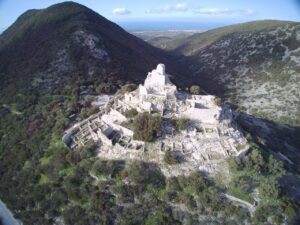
(254, 65)
(194, 43)
(49, 47)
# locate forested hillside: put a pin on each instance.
(51, 62)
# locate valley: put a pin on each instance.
(162, 38)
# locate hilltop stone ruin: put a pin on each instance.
(211, 134)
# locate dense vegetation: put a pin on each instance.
(47, 182)
(257, 176)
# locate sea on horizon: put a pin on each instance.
(175, 25)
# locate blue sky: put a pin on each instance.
(226, 11)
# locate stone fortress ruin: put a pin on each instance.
(210, 135)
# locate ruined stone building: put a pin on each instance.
(211, 133)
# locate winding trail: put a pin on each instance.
(250, 207)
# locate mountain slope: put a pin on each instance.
(68, 39)
(255, 66)
(193, 44)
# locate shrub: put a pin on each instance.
(131, 113)
(241, 188)
(106, 88)
(171, 158)
(73, 157)
(195, 89)
(128, 88)
(146, 127)
(108, 168)
(124, 193)
(88, 150)
(235, 164)
(74, 215)
(173, 184)
(86, 112)
(275, 167)
(144, 174)
(218, 101)
(133, 171)
(262, 213)
(255, 162)
(195, 183)
(180, 123)
(268, 188)
(161, 216)
(190, 202)
(210, 198)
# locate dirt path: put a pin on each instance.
(250, 207)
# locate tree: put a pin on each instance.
(275, 167)
(235, 164)
(255, 162)
(262, 213)
(195, 89)
(88, 150)
(146, 127)
(131, 113)
(173, 184)
(268, 188)
(197, 182)
(75, 215)
(144, 174)
(162, 216)
(106, 88)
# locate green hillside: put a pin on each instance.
(69, 39)
(254, 65)
(193, 44)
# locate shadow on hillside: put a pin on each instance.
(282, 139)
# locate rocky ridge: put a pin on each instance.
(257, 71)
